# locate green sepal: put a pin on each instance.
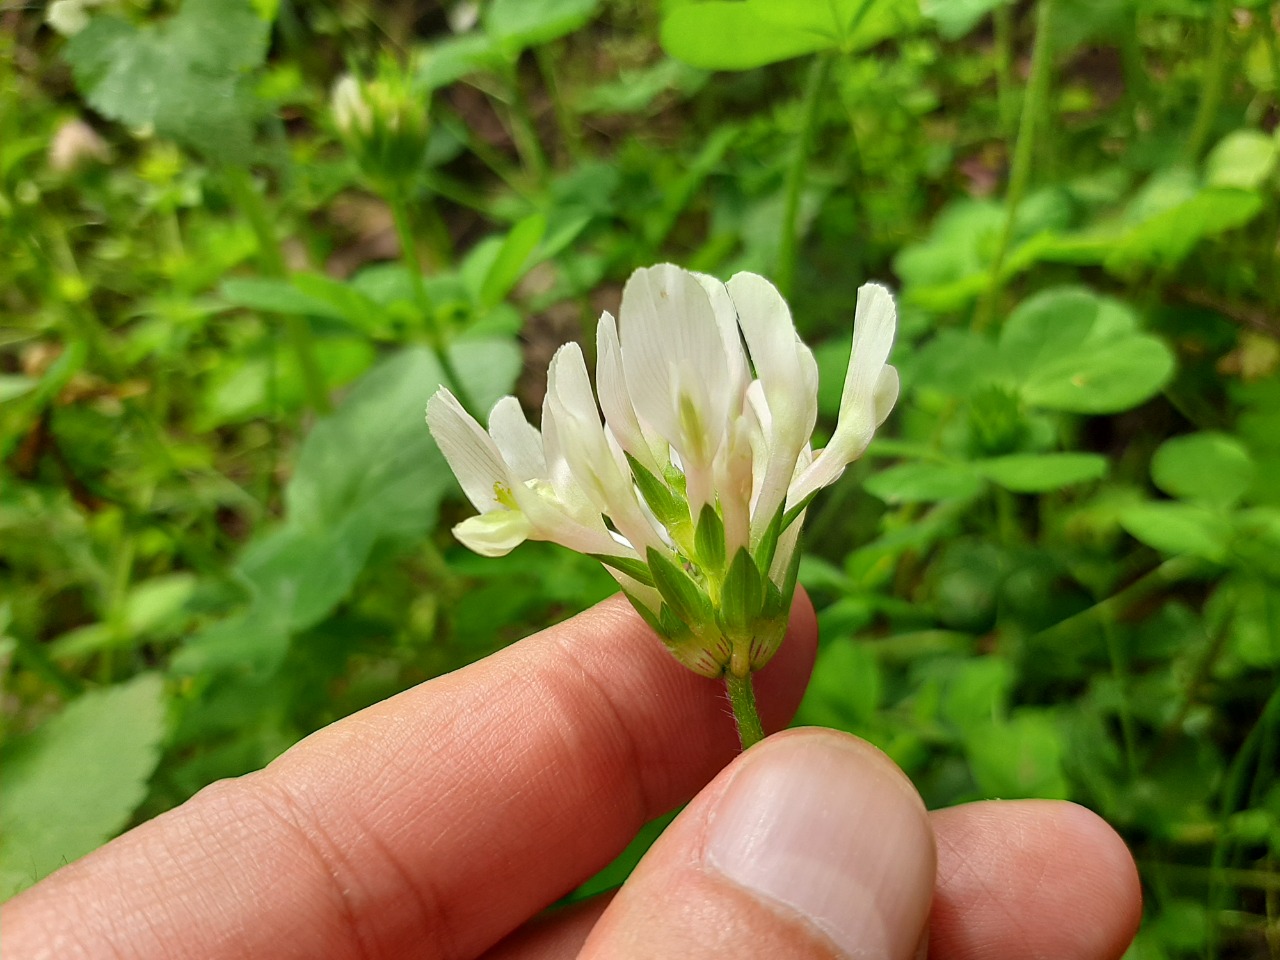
(790, 516)
(634, 568)
(768, 544)
(674, 630)
(742, 596)
(669, 508)
(676, 479)
(649, 617)
(685, 598)
(708, 539)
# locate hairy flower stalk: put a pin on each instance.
(692, 489)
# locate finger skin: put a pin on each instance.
(832, 787)
(431, 824)
(1015, 879)
(1031, 878)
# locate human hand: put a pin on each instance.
(437, 823)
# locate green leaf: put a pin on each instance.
(708, 539)
(1247, 608)
(1020, 758)
(742, 596)
(1075, 351)
(647, 615)
(1180, 529)
(976, 694)
(72, 784)
(15, 385)
(516, 25)
(768, 544)
(846, 688)
(955, 18)
(685, 598)
(742, 34)
(1212, 468)
(454, 58)
(512, 260)
(1166, 239)
(1243, 159)
(923, 482)
(269, 295)
(367, 475)
(188, 75)
(1041, 472)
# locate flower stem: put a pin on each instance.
(1215, 76)
(742, 697)
(1033, 105)
(817, 80)
(435, 333)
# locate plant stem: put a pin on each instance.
(1214, 79)
(819, 70)
(271, 259)
(1233, 791)
(435, 333)
(1008, 109)
(523, 132)
(1033, 105)
(570, 129)
(742, 697)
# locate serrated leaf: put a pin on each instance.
(72, 783)
(1041, 472)
(187, 75)
(685, 598)
(708, 539)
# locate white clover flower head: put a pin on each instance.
(692, 489)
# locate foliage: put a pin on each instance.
(223, 523)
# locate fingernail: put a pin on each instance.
(823, 825)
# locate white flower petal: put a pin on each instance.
(874, 325)
(494, 534)
(674, 360)
(870, 390)
(517, 440)
(471, 453)
(615, 401)
(788, 375)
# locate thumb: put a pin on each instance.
(811, 844)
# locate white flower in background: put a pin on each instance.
(693, 487)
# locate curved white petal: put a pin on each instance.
(874, 325)
(517, 440)
(674, 359)
(615, 401)
(494, 534)
(788, 377)
(726, 314)
(471, 453)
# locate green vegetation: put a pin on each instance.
(224, 524)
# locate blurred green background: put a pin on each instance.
(225, 299)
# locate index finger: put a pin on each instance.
(430, 824)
